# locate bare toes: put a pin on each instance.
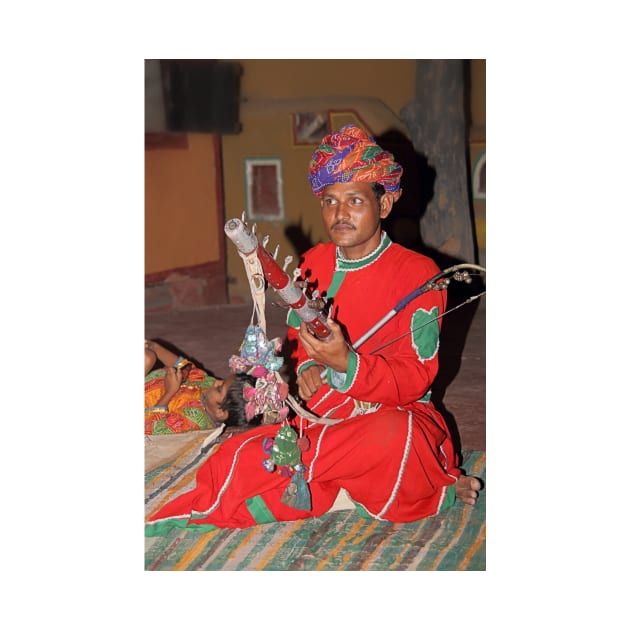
(467, 489)
(475, 484)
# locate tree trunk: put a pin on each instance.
(436, 121)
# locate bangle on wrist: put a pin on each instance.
(180, 363)
(156, 409)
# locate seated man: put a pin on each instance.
(383, 441)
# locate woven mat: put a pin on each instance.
(338, 540)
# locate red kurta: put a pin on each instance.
(392, 452)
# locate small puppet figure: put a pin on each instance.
(284, 452)
(267, 397)
(257, 357)
(256, 350)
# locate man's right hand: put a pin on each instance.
(309, 381)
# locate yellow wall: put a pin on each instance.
(391, 80)
(274, 89)
(478, 97)
(181, 226)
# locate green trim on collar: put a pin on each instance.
(353, 265)
(335, 283)
(293, 319)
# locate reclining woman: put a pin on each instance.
(181, 397)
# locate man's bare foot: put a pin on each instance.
(467, 489)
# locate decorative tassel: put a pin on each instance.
(297, 495)
(289, 496)
(303, 494)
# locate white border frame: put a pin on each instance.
(250, 163)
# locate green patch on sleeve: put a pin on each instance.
(426, 333)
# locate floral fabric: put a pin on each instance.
(186, 411)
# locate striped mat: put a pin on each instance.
(342, 540)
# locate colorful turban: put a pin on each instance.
(350, 155)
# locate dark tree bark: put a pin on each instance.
(436, 121)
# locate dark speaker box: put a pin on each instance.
(201, 95)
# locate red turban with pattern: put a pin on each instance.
(350, 155)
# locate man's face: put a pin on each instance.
(352, 217)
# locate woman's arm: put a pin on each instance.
(167, 357)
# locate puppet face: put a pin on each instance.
(352, 217)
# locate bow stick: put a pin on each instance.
(458, 272)
(438, 282)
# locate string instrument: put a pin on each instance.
(247, 242)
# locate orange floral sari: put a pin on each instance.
(186, 411)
